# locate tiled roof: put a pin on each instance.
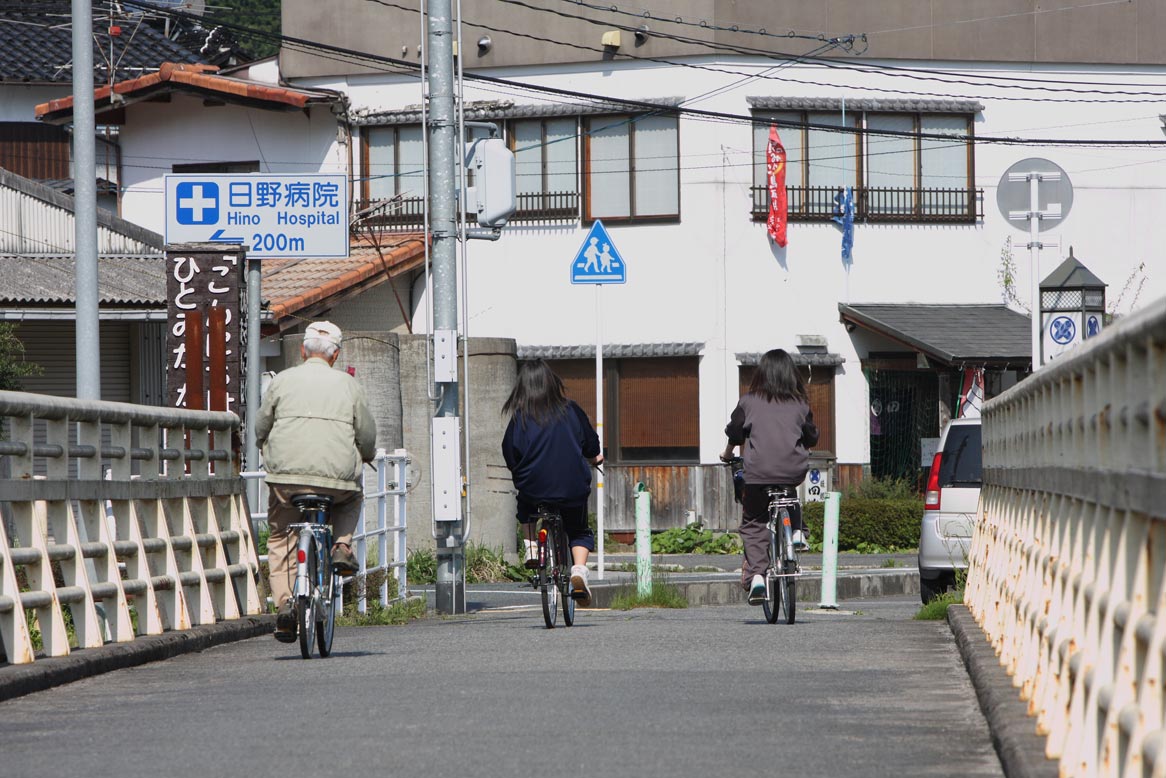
(804, 358)
(196, 79)
(289, 286)
(296, 286)
(48, 279)
(880, 104)
(488, 110)
(38, 44)
(953, 333)
(611, 350)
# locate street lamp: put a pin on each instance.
(1072, 307)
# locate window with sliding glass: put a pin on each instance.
(631, 168)
(546, 168)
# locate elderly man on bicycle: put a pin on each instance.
(316, 432)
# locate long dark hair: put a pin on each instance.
(776, 378)
(537, 394)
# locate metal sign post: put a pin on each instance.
(1021, 186)
(598, 262)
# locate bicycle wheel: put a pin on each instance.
(327, 616)
(306, 604)
(548, 584)
(772, 604)
(564, 576)
(789, 580)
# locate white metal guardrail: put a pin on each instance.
(130, 553)
(387, 498)
(1067, 574)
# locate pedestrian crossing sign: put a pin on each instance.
(598, 260)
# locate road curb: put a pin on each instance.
(729, 592)
(18, 680)
(1020, 749)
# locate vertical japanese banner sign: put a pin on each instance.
(775, 179)
(195, 282)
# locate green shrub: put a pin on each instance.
(884, 489)
(870, 526)
(694, 539)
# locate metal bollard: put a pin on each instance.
(643, 540)
(830, 552)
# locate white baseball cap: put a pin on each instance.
(324, 330)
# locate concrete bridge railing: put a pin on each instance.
(1067, 575)
(130, 517)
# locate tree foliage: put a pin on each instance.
(263, 15)
(13, 364)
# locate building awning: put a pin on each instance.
(956, 334)
(199, 80)
(612, 351)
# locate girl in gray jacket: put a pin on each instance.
(775, 429)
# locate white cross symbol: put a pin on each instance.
(197, 203)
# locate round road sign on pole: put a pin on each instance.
(1013, 194)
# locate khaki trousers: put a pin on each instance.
(282, 542)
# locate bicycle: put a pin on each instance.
(317, 587)
(553, 577)
(783, 568)
(781, 575)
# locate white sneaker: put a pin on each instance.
(531, 554)
(580, 591)
(800, 542)
(757, 591)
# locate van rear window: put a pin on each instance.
(961, 465)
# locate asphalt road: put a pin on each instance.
(863, 692)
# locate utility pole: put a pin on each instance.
(88, 344)
(445, 448)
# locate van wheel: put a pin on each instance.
(931, 588)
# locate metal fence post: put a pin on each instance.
(643, 540)
(830, 552)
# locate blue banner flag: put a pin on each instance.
(844, 216)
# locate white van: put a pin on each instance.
(950, 505)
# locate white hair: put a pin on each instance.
(321, 347)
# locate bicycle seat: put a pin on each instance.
(782, 492)
(312, 502)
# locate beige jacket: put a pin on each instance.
(315, 428)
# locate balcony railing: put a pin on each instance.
(407, 214)
(875, 205)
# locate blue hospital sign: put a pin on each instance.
(274, 215)
(598, 261)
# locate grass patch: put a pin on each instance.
(483, 565)
(378, 616)
(663, 595)
(937, 608)
(892, 563)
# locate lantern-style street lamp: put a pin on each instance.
(1072, 307)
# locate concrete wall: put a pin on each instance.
(1000, 30)
(492, 506)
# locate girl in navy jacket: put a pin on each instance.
(550, 447)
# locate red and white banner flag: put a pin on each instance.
(972, 393)
(775, 179)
